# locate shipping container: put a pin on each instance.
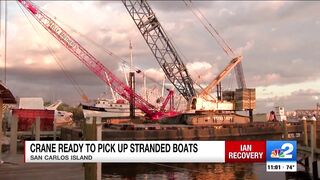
(27, 119)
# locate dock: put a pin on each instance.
(14, 168)
(251, 131)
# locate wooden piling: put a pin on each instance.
(305, 131)
(54, 129)
(92, 128)
(1, 133)
(314, 133)
(312, 143)
(313, 136)
(315, 170)
(38, 129)
(99, 138)
(13, 135)
(285, 130)
(306, 164)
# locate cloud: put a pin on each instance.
(202, 72)
(272, 5)
(246, 47)
(267, 79)
(225, 11)
(306, 92)
(299, 99)
(155, 74)
(179, 6)
(287, 55)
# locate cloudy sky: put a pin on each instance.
(279, 41)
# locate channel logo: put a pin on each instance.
(277, 154)
(281, 150)
(281, 156)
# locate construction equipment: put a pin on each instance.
(171, 63)
(246, 100)
(161, 47)
(170, 98)
(206, 91)
(202, 101)
(221, 42)
(92, 63)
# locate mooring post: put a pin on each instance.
(38, 128)
(306, 164)
(99, 138)
(315, 173)
(1, 133)
(54, 129)
(92, 128)
(314, 136)
(13, 135)
(285, 129)
(305, 131)
(312, 145)
(305, 142)
(312, 142)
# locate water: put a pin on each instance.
(193, 171)
(232, 171)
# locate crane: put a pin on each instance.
(233, 63)
(161, 47)
(92, 63)
(202, 101)
(169, 59)
(169, 98)
(221, 42)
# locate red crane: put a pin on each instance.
(93, 64)
(170, 98)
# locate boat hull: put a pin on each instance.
(90, 111)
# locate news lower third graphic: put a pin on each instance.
(245, 151)
(281, 156)
(124, 151)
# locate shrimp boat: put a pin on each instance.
(111, 108)
(108, 108)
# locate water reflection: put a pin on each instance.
(188, 171)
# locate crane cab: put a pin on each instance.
(201, 104)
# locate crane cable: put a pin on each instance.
(207, 25)
(184, 59)
(58, 61)
(1, 29)
(5, 41)
(110, 53)
(124, 62)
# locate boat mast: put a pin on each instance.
(131, 63)
(111, 89)
(162, 90)
(145, 85)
